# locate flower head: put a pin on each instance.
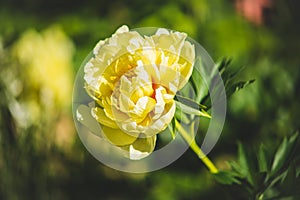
(133, 80)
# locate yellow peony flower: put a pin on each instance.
(133, 80)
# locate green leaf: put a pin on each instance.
(223, 65)
(280, 156)
(202, 79)
(190, 102)
(182, 117)
(242, 158)
(197, 81)
(244, 163)
(283, 154)
(226, 178)
(289, 175)
(289, 183)
(228, 77)
(267, 177)
(172, 128)
(231, 88)
(262, 159)
(190, 110)
(236, 168)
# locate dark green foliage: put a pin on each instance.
(205, 77)
(253, 176)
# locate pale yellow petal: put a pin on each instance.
(83, 115)
(126, 103)
(169, 78)
(142, 108)
(142, 147)
(122, 29)
(117, 136)
(161, 123)
(171, 42)
(188, 52)
(100, 116)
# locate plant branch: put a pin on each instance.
(194, 146)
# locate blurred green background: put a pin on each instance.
(42, 45)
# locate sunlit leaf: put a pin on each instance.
(190, 102)
(190, 110)
(181, 116)
(172, 128)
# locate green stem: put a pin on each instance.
(194, 146)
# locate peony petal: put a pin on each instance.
(171, 42)
(83, 115)
(100, 116)
(188, 52)
(161, 123)
(117, 136)
(142, 108)
(122, 29)
(160, 103)
(126, 103)
(161, 31)
(142, 147)
(100, 44)
(169, 78)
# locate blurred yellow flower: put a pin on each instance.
(133, 80)
(46, 81)
(48, 58)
